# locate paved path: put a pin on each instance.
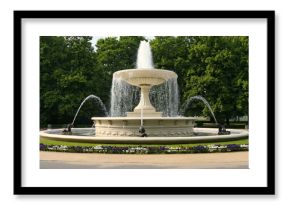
(60, 160)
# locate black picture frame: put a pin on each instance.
(269, 16)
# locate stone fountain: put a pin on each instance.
(145, 76)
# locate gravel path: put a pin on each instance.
(60, 160)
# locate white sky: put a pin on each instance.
(96, 38)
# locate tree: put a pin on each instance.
(219, 72)
(115, 54)
(52, 54)
(68, 70)
(171, 53)
(214, 67)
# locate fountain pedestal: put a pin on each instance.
(144, 108)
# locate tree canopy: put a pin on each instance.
(215, 67)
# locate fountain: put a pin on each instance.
(145, 76)
(144, 124)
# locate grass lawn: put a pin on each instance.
(55, 142)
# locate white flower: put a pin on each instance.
(63, 147)
(213, 147)
(55, 147)
(98, 148)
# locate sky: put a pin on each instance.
(96, 38)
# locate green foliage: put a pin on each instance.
(214, 67)
(219, 72)
(70, 70)
(115, 54)
(68, 74)
(171, 53)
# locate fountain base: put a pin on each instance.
(155, 126)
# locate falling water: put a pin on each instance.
(142, 117)
(124, 98)
(165, 98)
(97, 99)
(198, 97)
(144, 57)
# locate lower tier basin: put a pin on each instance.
(87, 135)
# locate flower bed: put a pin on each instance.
(146, 149)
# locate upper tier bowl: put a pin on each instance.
(140, 76)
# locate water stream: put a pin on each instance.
(97, 99)
(198, 97)
(144, 56)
